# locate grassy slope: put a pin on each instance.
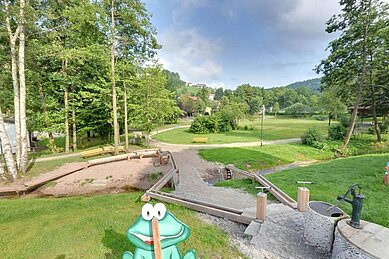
(334, 177)
(253, 158)
(274, 128)
(91, 227)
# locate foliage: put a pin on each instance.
(311, 136)
(336, 132)
(92, 227)
(312, 84)
(152, 104)
(384, 127)
(219, 122)
(173, 81)
(319, 117)
(298, 109)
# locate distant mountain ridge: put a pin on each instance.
(313, 84)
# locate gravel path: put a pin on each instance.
(192, 169)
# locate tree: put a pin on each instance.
(276, 108)
(298, 109)
(152, 104)
(219, 93)
(131, 37)
(330, 104)
(347, 67)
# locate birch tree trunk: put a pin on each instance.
(125, 117)
(15, 81)
(114, 106)
(7, 150)
(74, 125)
(67, 136)
(66, 100)
(22, 83)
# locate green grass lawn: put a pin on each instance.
(334, 177)
(256, 158)
(92, 227)
(274, 128)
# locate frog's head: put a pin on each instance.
(171, 230)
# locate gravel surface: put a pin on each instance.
(238, 238)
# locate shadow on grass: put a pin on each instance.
(118, 243)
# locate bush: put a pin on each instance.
(211, 124)
(345, 120)
(311, 136)
(320, 117)
(384, 127)
(198, 125)
(337, 132)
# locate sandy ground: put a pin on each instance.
(114, 177)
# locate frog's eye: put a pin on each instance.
(147, 211)
(159, 211)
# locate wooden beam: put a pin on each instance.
(209, 210)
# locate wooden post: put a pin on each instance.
(156, 239)
(261, 206)
(302, 199)
(386, 179)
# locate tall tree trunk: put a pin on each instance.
(114, 106)
(22, 83)
(66, 100)
(125, 117)
(67, 135)
(329, 119)
(15, 81)
(74, 125)
(7, 150)
(358, 100)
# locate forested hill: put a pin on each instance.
(313, 84)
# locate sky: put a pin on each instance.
(226, 43)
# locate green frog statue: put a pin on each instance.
(171, 231)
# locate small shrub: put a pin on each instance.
(319, 145)
(345, 120)
(337, 132)
(246, 127)
(311, 136)
(320, 117)
(384, 127)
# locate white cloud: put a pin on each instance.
(191, 54)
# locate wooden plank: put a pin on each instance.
(163, 181)
(210, 210)
(277, 192)
(156, 239)
(202, 203)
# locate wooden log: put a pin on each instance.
(386, 179)
(109, 159)
(302, 199)
(261, 206)
(156, 239)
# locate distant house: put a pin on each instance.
(9, 124)
(211, 97)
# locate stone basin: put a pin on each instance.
(325, 209)
(320, 221)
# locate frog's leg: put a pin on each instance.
(127, 255)
(191, 254)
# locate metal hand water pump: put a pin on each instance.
(356, 203)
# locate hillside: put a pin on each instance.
(313, 84)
